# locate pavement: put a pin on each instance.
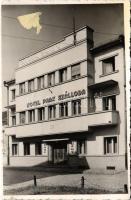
(112, 182)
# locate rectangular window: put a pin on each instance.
(41, 82)
(75, 71)
(81, 146)
(110, 145)
(63, 75)
(108, 65)
(31, 115)
(51, 79)
(22, 117)
(26, 149)
(52, 111)
(41, 114)
(22, 88)
(63, 109)
(13, 111)
(109, 103)
(38, 149)
(13, 95)
(13, 120)
(76, 107)
(31, 85)
(14, 149)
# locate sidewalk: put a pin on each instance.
(114, 182)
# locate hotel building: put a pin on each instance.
(67, 104)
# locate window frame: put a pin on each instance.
(61, 75)
(27, 151)
(106, 149)
(43, 113)
(31, 116)
(23, 112)
(31, 85)
(22, 88)
(15, 151)
(49, 79)
(74, 106)
(13, 95)
(106, 62)
(53, 112)
(41, 82)
(73, 77)
(37, 153)
(105, 100)
(64, 106)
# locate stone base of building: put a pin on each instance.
(88, 162)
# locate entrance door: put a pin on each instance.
(60, 153)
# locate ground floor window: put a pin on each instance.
(110, 145)
(38, 149)
(81, 146)
(26, 149)
(14, 149)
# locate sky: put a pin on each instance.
(57, 21)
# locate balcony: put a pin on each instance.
(65, 125)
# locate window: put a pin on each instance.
(13, 95)
(14, 149)
(41, 82)
(31, 115)
(76, 107)
(41, 114)
(13, 120)
(51, 79)
(63, 75)
(22, 117)
(26, 149)
(109, 103)
(75, 71)
(108, 65)
(38, 149)
(63, 109)
(81, 146)
(31, 85)
(110, 145)
(52, 111)
(22, 88)
(13, 111)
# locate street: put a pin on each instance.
(15, 175)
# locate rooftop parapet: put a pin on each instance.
(68, 41)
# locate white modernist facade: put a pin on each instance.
(67, 104)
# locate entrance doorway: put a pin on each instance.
(59, 152)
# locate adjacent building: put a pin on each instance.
(67, 104)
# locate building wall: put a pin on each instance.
(119, 76)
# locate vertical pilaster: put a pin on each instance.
(98, 103)
(69, 108)
(32, 149)
(57, 111)
(46, 81)
(21, 149)
(84, 106)
(69, 73)
(57, 77)
(46, 113)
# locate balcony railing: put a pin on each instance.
(65, 125)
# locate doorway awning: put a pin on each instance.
(55, 140)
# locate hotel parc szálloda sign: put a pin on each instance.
(66, 95)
